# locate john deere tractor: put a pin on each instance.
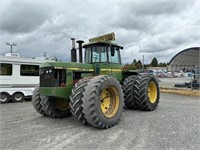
(95, 91)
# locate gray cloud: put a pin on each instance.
(22, 17)
(154, 29)
(150, 8)
(144, 15)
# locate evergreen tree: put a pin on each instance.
(154, 62)
(139, 64)
(134, 61)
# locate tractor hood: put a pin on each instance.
(68, 65)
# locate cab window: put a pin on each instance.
(99, 54)
(102, 54)
(88, 55)
(95, 54)
(114, 55)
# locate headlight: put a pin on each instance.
(41, 71)
(50, 71)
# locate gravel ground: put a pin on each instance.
(175, 125)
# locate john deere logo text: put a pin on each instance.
(107, 37)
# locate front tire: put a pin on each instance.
(55, 107)
(103, 102)
(147, 92)
(36, 101)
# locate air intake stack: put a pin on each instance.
(80, 51)
(73, 51)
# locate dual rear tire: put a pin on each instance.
(141, 92)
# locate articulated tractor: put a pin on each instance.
(95, 91)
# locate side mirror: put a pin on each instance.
(112, 51)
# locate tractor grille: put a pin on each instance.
(52, 77)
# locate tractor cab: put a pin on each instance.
(105, 58)
(102, 52)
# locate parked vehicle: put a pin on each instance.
(94, 91)
(18, 77)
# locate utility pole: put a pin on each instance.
(11, 45)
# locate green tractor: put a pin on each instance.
(94, 92)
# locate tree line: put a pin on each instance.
(138, 64)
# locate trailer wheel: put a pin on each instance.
(128, 88)
(4, 98)
(18, 97)
(76, 100)
(147, 92)
(103, 102)
(55, 107)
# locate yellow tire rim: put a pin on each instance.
(152, 92)
(62, 104)
(109, 101)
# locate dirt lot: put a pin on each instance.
(174, 125)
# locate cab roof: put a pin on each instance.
(102, 43)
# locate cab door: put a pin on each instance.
(105, 66)
(114, 59)
(100, 60)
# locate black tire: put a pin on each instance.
(128, 88)
(180, 85)
(36, 101)
(103, 102)
(51, 107)
(76, 100)
(4, 97)
(147, 93)
(18, 97)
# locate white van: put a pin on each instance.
(18, 77)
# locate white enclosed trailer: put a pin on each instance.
(18, 76)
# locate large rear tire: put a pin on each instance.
(103, 102)
(147, 92)
(36, 101)
(55, 107)
(128, 88)
(76, 100)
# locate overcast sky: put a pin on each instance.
(153, 28)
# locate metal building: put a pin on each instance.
(186, 60)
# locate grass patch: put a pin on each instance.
(180, 91)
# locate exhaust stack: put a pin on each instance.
(80, 51)
(73, 51)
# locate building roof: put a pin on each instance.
(187, 57)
